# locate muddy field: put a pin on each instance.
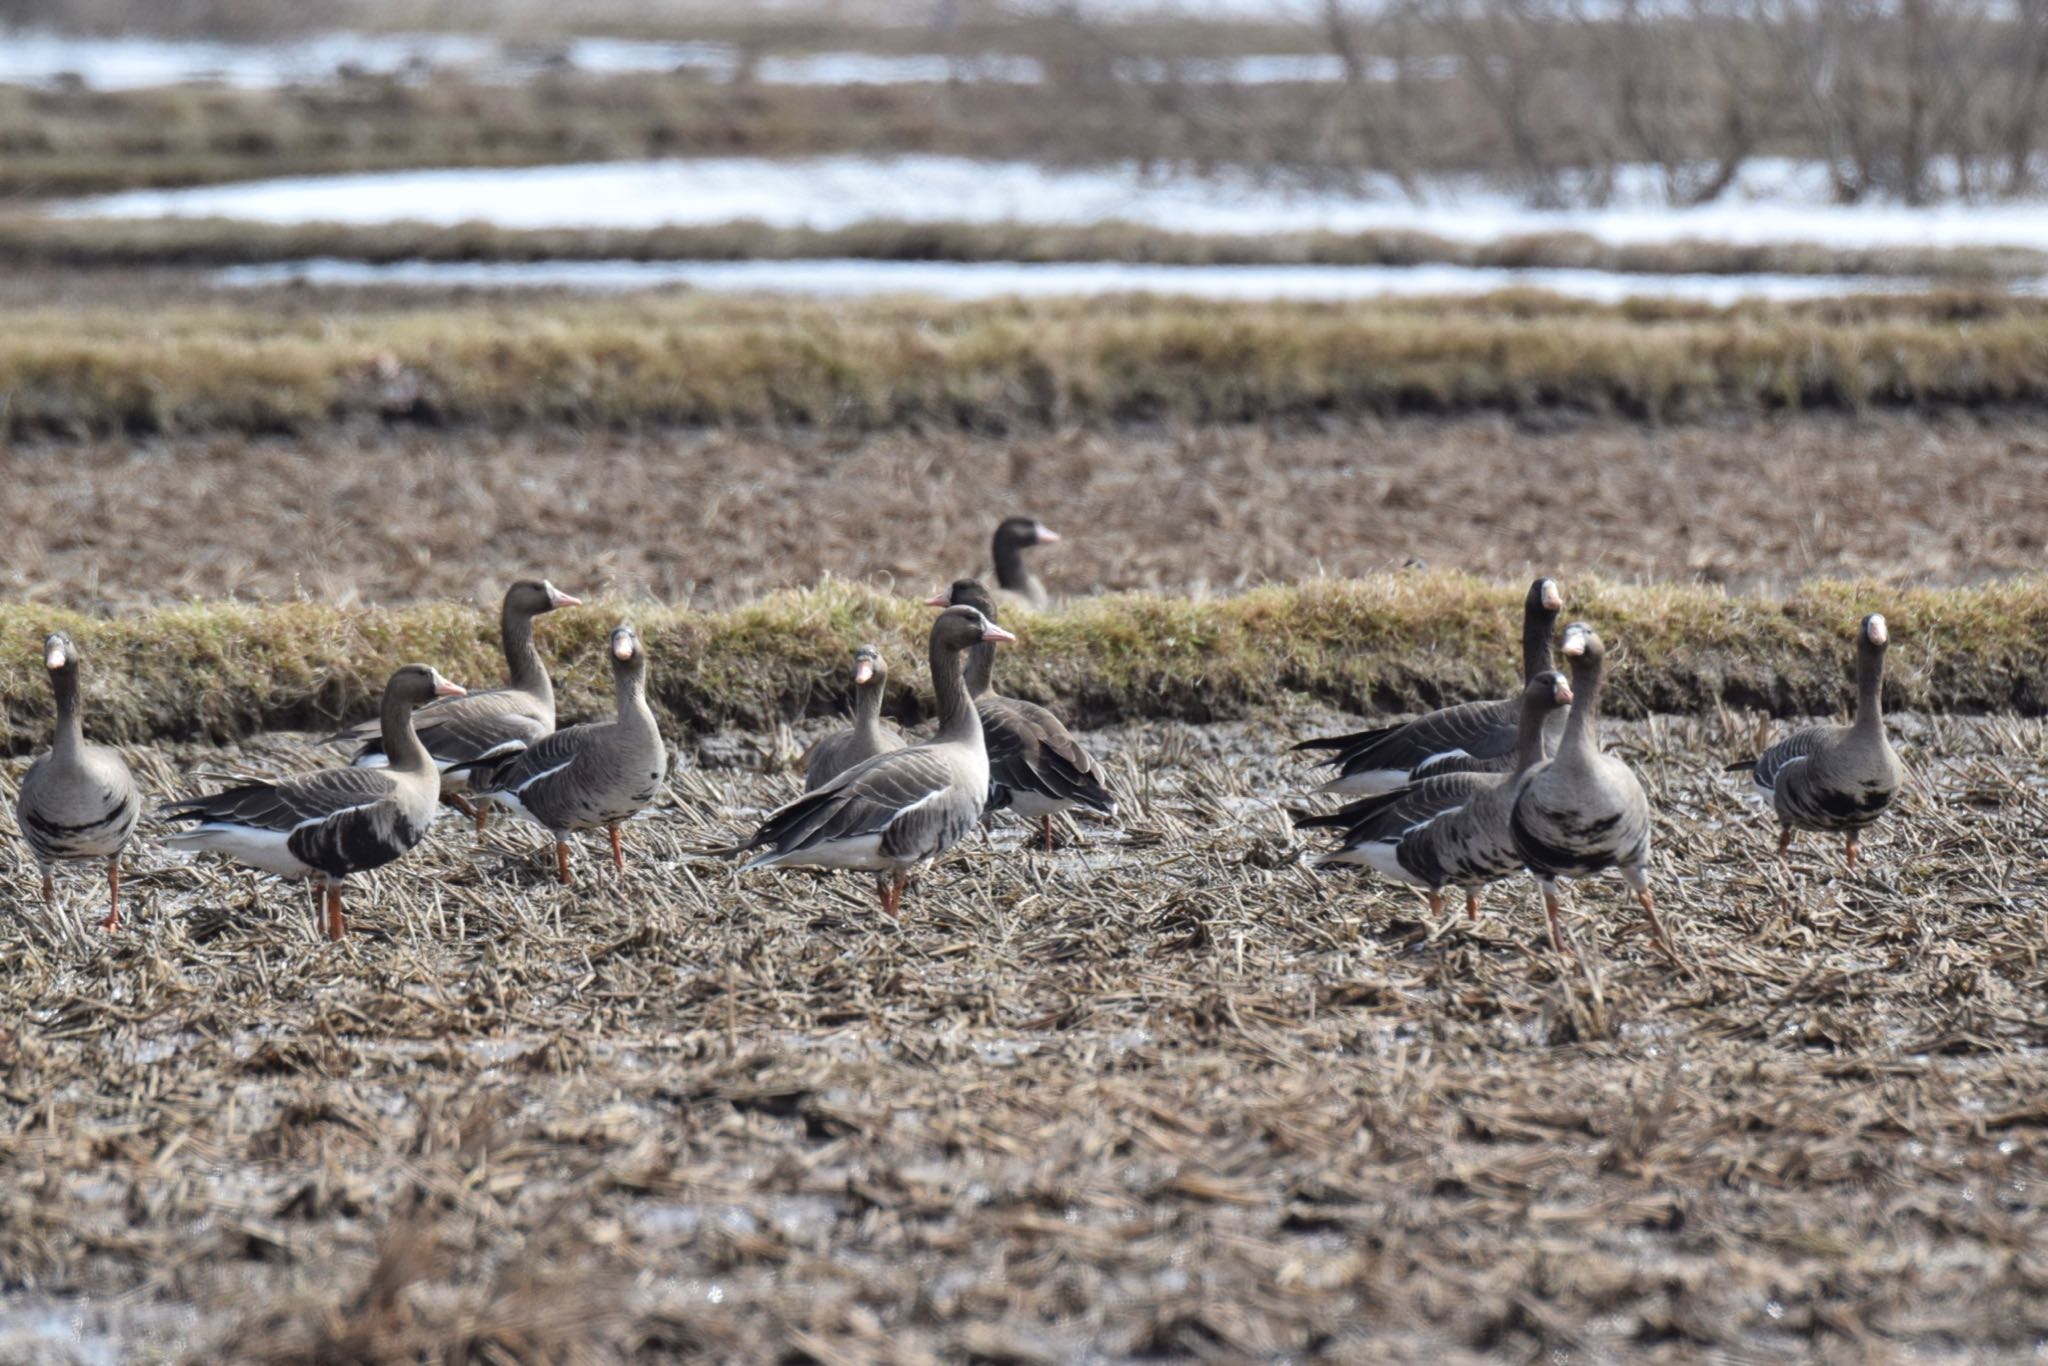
(1161, 1093)
(386, 518)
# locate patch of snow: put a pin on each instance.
(1775, 201)
(983, 280)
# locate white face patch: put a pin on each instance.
(1877, 631)
(56, 658)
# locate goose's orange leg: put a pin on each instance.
(334, 922)
(618, 851)
(113, 920)
(1471, 905)
(562, 862)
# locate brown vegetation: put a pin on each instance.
(1392, 643)
(1167, 1095)
(245, 364)
(35, 243)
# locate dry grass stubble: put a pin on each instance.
(1166, 1092)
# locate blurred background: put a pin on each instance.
(1253, 288)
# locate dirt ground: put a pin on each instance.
(1162, 1094)
(395, 517)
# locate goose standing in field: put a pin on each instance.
(79, 800)
(1451, 830)
(1583, 810)
(1834, 778)
(589, 777)
(1014, 579)
(1036, 767)
(481, 728)
(1470, 737)
(902, 809)
(868, 736)
(335, 822)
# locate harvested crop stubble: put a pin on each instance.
(655, 359)
(1167, 1094)
(1757, 505)
(1389, 643)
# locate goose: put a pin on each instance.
(898, 810)
(79, 800)
(589, 777)
(1014, 579)
(1036, 767)
(868, 736)
(1470, 737)
(1583, 810)
(483, 727)
(337, 821)
(1449, 830)
(1833, 778)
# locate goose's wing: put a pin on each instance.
(1031, 750)
(1481, 730)
(1766, 769)
(893, 796)
(543, 759)
(1391, 814)
(283, 806)
(460, 735)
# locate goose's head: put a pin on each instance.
(531, 597)
(964, 593)
(1016, 533)
(1580, 643)
(1874, 633)
(1548, 691)
(419, 684)
(1545, 597)
(59, 654)
(958, 628)
(868, 666)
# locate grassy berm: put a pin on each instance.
(1165, 1096)
(1392, 643)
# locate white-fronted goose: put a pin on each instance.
(1583, 810)
(868, 736)
(897, 810)
(335, 822)
(1833, 778)
(1470, 737)
(481, 728)
(1036, 767)
(1014, 579)
(588, 777)
(1450, 830)
(79, 800)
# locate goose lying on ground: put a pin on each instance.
(1036, 767)
(1833, 778)
(895, 811)
(1470, 737)
(483, 727)
(79, 800)
(1015, 582)
(589, 777)
(868, 736)
(338, 821)
(1451, 830)
(1583, 811)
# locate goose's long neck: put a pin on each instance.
(629, 695)
(981, 668)
(402, 747)
(523, 668)
(1870, 690)
(1010, 570)
(1582, 728)
(1536, 624)
(1529, 736)
(958, 719)
(867, 706)
(70, 736)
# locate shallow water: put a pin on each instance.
(1776, 202)
(982, 280)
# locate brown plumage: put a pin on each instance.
(481, 729)
(868, 736)
(589, 777)
(1036, 767)
(895, 811)
(79, 800)
(1831, 778)
(338, 821)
